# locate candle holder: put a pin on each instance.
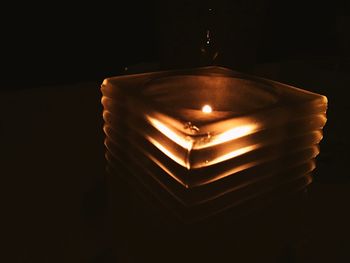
(212, 134)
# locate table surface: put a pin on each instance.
(60, 206)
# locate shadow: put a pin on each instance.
(146, 227)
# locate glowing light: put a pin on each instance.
(234, 133)
(172, 135)
(207, 109)
(167, 152)
(232, 154)
(188, 143)
(227, 136)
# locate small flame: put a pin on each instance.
(207, 109)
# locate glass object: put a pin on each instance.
(210, 138)
(211, 119)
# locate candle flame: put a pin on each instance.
(207, 109)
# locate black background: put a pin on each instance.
(51, 137)
(52, 43)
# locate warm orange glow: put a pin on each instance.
(207, 109)
(172, 135)
(232, 154)
(233, 133)
(167, 152)
(188, 143)
(227, 136)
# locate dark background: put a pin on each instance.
(54, 57)
(54, 43)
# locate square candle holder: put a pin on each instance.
(206, 132)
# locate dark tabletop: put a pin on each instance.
(60, 205)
